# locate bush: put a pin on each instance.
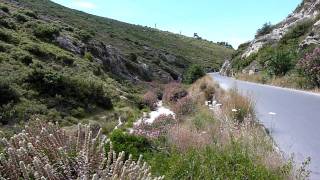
(7, 94)
(38, 50)
(84, 36)
(46, 151)
(266, 29)
(88, 56)
(4, 8)
(277, 60)
(84, 92)
(8, 23)
(22, 56)
(29, 13)
(173, 92)
(158, 128)
(209, 92)
(310, 66)
(8, 36)
(66, 59)
(46, 31)
(21, 17)
(184, 106)
(193, 73)
(130, 144)
(150, 99)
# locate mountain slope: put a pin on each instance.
(65, 65)
(278, 50)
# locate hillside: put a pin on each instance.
(66, 65)
(279, 51)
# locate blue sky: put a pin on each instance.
(234, 21)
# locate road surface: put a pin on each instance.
(292, 116)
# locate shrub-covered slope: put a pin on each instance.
(278, 50)
(64, 64)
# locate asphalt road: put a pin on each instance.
(292, 116)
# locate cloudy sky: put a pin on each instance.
(234, 21)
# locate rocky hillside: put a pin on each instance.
(64, 64)
(277, 48)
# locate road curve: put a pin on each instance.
(292, 116)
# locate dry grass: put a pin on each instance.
(288, 81)
(184, 138)
(221, 127)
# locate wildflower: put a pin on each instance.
(234, 110)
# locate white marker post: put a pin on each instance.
(272, 123)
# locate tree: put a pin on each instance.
(193, 73)
(265, 29)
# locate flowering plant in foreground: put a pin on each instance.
(310, 65)
(44, 151)
(159, 127)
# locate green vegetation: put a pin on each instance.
(278, 61)
(193, 73)
(265, 29)
(46, 31)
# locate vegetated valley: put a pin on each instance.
(60, 67)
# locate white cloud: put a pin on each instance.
(84, 4)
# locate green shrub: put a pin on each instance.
(38, 50)
(277, 60)
(46, 31)
(132, 144)
(266, 29)
(66, 59)
(7, 94)
(84, 36)
(88, 56)
(193, 73)
(4, 8)
(8, 36)
(22, 56)
(73, 91)
(29, 13)
(21, 17)
(4, 47)
(8, 23)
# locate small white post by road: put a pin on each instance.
(272, 123)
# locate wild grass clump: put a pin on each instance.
(173, 92)
(237, 107)
(150, 99)
(232, 162)
(44, 151)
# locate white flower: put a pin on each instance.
(234, 110)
